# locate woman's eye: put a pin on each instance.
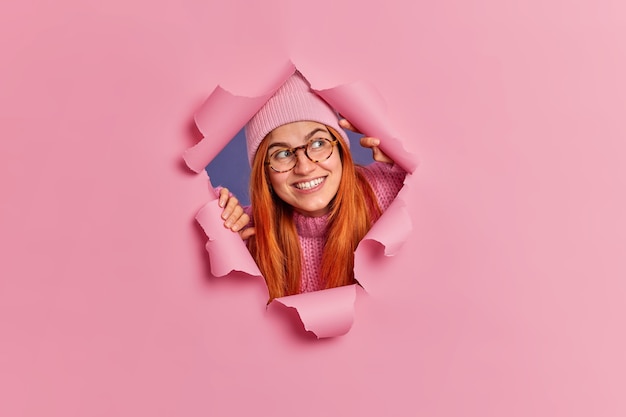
(317, 143)
(284, 154)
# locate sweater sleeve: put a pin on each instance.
(386, 180)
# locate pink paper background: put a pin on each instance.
(507, 298)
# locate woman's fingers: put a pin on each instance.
(233, 214)
(235, 218)
(223, 198)
(231, 205)
(377, 154)
(368, 142)
(240, 222)
(347, 125)
(247, 233)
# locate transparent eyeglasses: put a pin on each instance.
(285, 159)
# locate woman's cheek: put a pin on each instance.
(279, 184)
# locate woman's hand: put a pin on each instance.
(368, 142)
(233, 215)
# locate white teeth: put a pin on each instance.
(309, 184)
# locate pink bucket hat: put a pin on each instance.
(294, 101)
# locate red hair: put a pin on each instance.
(275, 246)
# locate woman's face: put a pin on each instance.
(309, 187)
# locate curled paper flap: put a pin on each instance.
(326, 313)
(393, 228)
(389, 233)
(222, 115)
(226, 250)
(362, 105)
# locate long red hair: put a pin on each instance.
(275, 246)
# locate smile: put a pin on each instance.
(309, 184)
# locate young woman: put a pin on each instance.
(310, 204)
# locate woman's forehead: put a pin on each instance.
(297, 132)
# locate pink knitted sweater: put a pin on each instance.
(386, 181)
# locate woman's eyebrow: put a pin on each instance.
(313, 132)
(281, 144)
(306, 138)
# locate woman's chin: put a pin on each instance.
(312, 210)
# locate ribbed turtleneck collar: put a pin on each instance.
(310, 226)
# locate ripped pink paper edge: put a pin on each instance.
(327, 313)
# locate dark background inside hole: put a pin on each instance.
(230, 167)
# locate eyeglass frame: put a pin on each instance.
(333, 143)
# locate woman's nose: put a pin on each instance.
(303, 164)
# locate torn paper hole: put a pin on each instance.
(326, 313)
